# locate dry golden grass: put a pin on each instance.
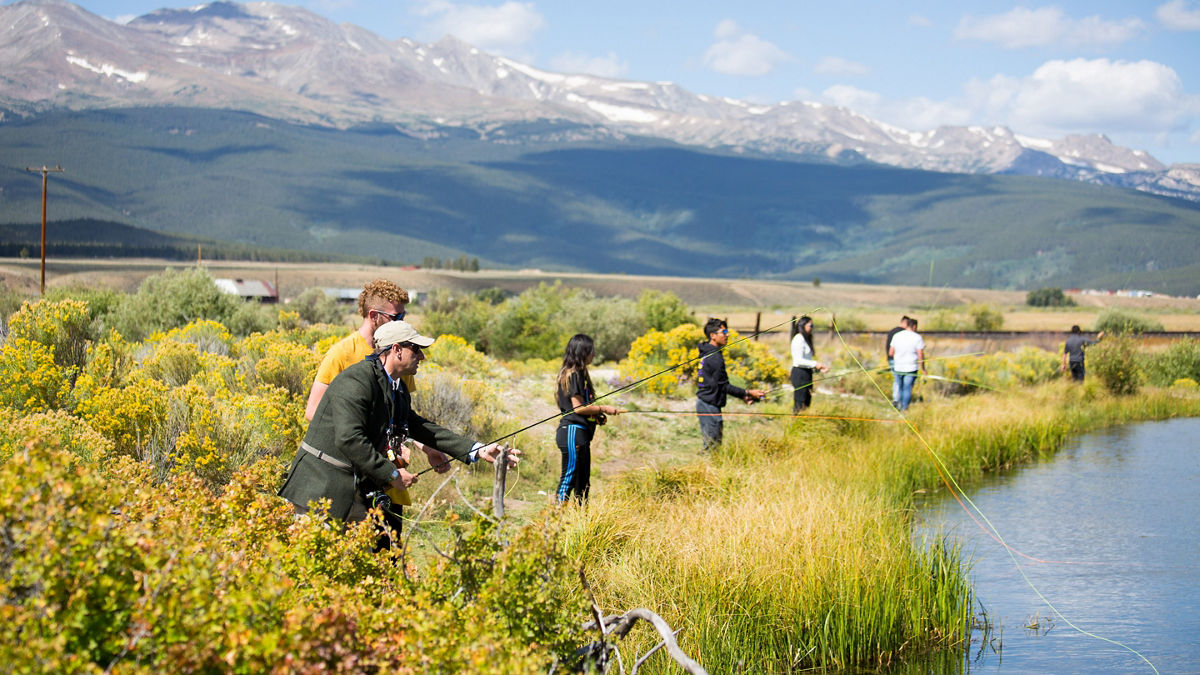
(878, 307)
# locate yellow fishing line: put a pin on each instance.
(955, 490)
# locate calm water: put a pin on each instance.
(1119, 509)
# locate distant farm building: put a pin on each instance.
(351, 294)
(249, 289)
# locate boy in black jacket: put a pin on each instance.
(714, 384)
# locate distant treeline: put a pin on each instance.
(91, 238)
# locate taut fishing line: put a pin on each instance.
(614, 392)
(991, 529)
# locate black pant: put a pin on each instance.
(575, 444)
(1077, 371)
(802, 385)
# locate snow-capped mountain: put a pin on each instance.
(289, 63)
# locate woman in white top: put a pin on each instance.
(803, 364)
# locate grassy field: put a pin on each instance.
(877, 307)
(789, 548)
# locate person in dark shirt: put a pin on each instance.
(905, 324)
(1073, 352)
(575, 395)
(714, 386)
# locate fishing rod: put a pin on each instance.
(755, 414)
(614, 392)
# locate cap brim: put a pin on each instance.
(421, 341)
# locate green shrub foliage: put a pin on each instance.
(103, 569)
(1180, 361)
(538, 323)
(1115, 362)
(1048, 297)
(1116, 321)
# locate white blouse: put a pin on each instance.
(802, 354)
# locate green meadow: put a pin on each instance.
(142, 448)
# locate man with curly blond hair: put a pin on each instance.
(379, 303)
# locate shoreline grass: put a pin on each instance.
(792, 549)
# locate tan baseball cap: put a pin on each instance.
(398, 332)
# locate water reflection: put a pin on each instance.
(1113, 517)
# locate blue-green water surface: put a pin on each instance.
(1106, 540)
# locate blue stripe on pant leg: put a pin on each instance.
(564, 486)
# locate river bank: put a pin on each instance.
(790, 547)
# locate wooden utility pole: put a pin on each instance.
(46, 171)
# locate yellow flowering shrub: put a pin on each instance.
(997, 370)
(33, 382)
(656, 351)
(172, 362)
(752, 363)
(218, 374)
(62, 326)
(452, 351)
(271, 420)
(109, 361)
(56, 428)
(206, 334)
(131, 417)
(748, 363)
(289, 366)
(201, 439)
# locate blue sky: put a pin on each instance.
(1130, 70)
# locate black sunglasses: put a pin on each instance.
(392, 317)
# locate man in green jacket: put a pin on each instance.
(366, 410)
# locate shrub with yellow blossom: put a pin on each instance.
(62, 326)
(33, 382)
(747, 362)
(132, 417)
(55, 428)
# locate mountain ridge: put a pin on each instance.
(290, 63)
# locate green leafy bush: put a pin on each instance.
(662, 310)
(105, 569)
(1116, 321)
(170, 300)
(1114, 361)
(985, 318)
(314, 306)
(1181, 360)
(1048, 297)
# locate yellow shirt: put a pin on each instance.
(345, 353)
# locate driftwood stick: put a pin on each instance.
(416, 521)
(621, 625)
(469, 505)
(498, 484)
(638, 664)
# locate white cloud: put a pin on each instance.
(604, 66)
(835, 65)
(502, 28)
(916, 113)
(737, 52)
(858, 100)
(1179, 15)
(1086, 96)
(1024, 27)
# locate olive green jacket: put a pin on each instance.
(350, 426)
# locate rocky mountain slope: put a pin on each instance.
(288, 63)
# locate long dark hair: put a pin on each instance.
(575, 359)
(806, 333)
